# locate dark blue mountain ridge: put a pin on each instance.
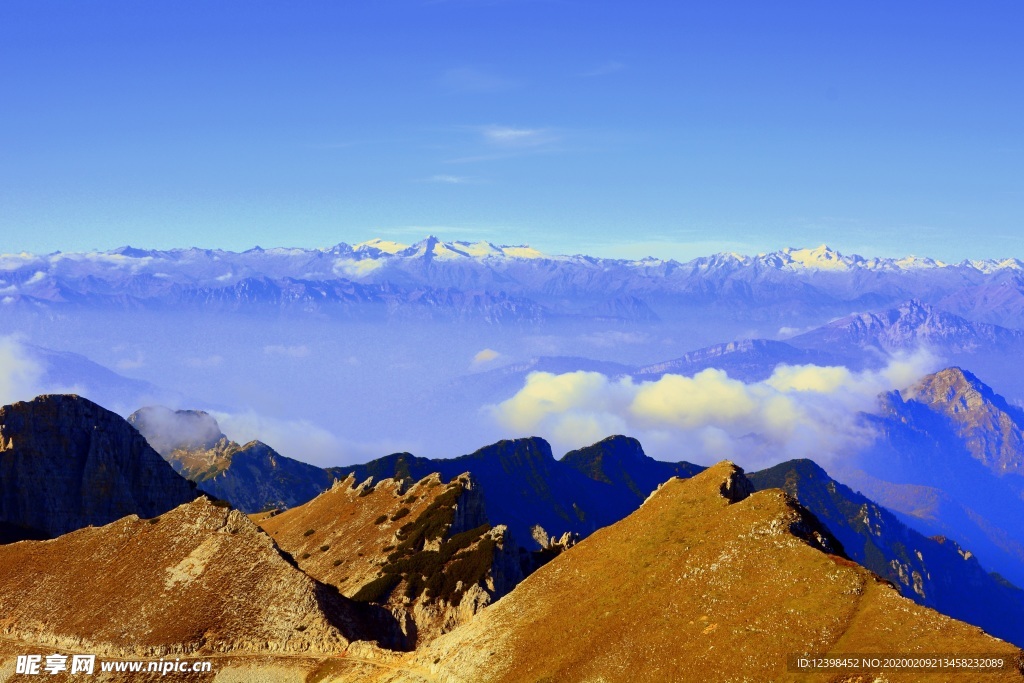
(525, 486)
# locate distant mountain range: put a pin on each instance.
(453, 280)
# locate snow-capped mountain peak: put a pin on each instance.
(819, 258)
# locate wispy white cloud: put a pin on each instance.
(444, 179)
(495, 141)
(513, 136)
(484, 357)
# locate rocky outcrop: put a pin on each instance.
(424, 551)
(990, 427)
(67, 463)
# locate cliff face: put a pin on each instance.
(67, 463)
(990, 428)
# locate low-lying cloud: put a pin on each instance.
(803, 411)
(302, 439)
(20, 374)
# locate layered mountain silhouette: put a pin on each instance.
(385, 561)
(67, 463)
(455, 280)
(906, 327)
(525, 486)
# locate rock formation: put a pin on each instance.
(426, 551)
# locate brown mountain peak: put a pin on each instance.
(722, 483)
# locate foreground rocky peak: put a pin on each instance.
(66, 463)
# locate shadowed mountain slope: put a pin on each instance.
(949, 454)
(66, 463)
(525, 486)
(252, 477)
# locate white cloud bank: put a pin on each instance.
(802, 411)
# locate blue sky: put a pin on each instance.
(613, 128)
